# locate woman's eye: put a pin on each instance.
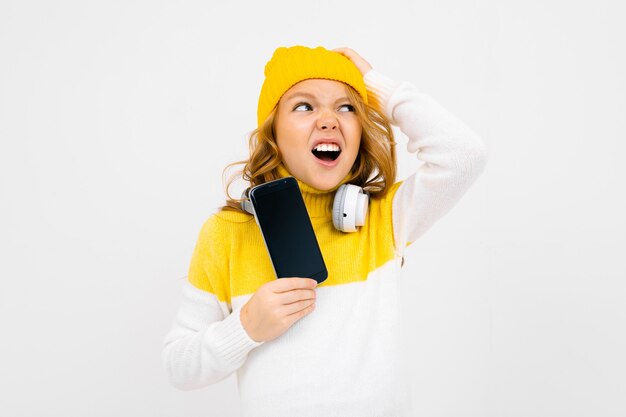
(303, 106)
(347, 107)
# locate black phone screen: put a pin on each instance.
(287, 230)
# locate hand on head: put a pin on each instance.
(356, 59)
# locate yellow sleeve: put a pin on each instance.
(209, 268)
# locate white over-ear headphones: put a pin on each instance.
(349, 207)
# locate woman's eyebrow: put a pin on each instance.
(299, 94)
(310, 96)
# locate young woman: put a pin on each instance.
(333, 349)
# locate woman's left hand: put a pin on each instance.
(356, 59)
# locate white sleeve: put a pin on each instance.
(453, 156)
(204, 346)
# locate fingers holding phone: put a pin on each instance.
(276, 306)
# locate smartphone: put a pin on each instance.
(280, 212)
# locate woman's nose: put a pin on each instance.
(327, 121)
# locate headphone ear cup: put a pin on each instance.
(338, 207)
(349, 208)
(246, 205)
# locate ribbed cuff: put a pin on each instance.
(379, 89)
(231, 341)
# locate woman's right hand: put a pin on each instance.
(276, 306)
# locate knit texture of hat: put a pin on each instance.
(289, 66)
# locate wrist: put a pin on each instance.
(245, 322)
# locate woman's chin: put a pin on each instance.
(322, 179)
(324, 184)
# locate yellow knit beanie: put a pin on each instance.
(289, 66)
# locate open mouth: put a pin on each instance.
(326, 151)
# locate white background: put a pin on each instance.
(117, 118)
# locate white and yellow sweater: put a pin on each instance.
(344, 359)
